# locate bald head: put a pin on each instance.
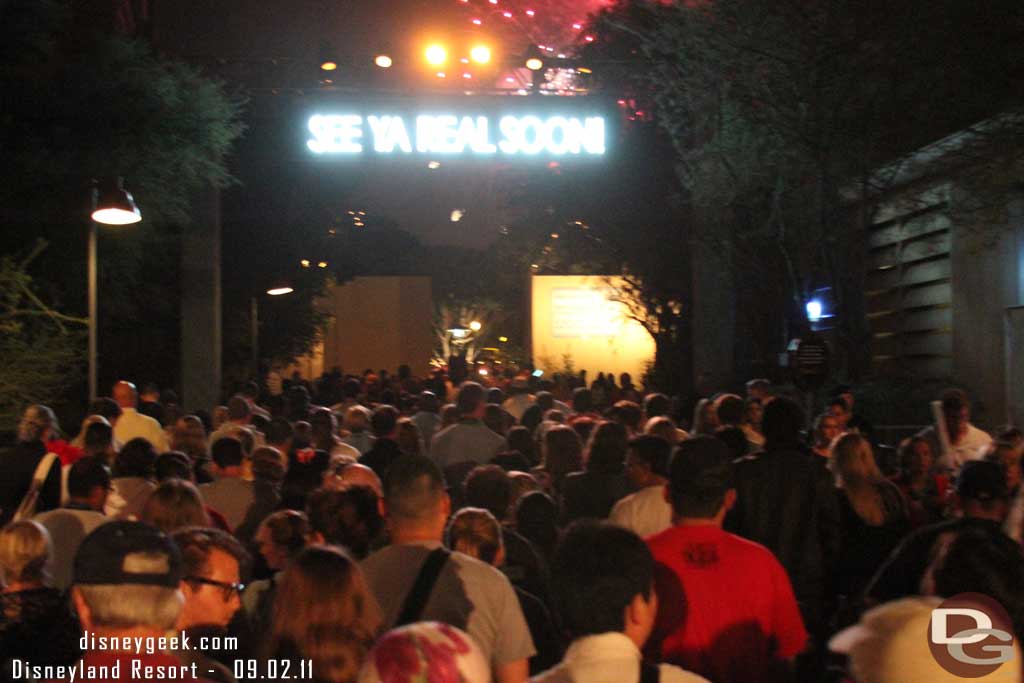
(125, 394)
(361, 475)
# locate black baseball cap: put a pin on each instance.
(982, 480)
(701, 466)
(103, 556)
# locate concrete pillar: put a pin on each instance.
(201, 304)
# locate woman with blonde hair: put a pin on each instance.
(36, 622)
(874, 513)
(323, 612)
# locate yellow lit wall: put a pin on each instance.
(572, 315)
(379, 322)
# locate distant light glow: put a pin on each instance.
(329, 65)
(466, 75)
(530, 12)
(436, 54)
(304, 263)
(585, 70)
(440, 74)
(481, 54)
(383, 61)
(589, 39)
(433, 165)
(457, 215)
(475, 326)
(483, 372)
(577, 26)
(321, 264)
(478, 22)
(534, 64)
(814, 310)
(507, 15)
(278, 291)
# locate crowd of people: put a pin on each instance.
(386, 528)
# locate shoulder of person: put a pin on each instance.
(670, 673)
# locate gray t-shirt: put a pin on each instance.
(230, 496)
(67, 527)
(464, 441)
(469, 594)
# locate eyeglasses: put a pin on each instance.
(228, 589)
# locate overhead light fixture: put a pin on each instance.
(280, 288)
(114, 204)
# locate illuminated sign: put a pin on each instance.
(448, 134)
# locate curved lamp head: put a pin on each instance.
(114, 204)
(280, 288)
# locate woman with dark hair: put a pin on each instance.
(325, 614)
(593, 492)
(519, 439)
(925, 491)
(279, 540)
(134, 471)
(561, 453)
(537, 521)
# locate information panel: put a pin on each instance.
(576, 317)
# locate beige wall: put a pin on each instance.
(379, 322)
(572, 315)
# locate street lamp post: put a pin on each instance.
(111, 205)
(278, 289)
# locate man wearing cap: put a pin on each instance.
(983, 499)
(127, 577)
(727, 610)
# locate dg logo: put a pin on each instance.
(970, 635)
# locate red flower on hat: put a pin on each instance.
(396, 658)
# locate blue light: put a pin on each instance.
(814, 310)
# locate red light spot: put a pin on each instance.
(589, 39)
(622, 103)
(530, 12)
(477, 22)
(552, 164)
(507, 15)
(577, 26)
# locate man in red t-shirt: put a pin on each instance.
(727, 607)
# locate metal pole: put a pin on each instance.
(255, 337)
(92, 267)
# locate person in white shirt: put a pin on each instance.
(645, 512)
(956, 440)
(519, 398)
(604, 590)
(133, 424)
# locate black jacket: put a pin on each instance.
(786, 501)
(19, 464)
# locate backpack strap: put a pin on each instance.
(649, 673)
(420, 592)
